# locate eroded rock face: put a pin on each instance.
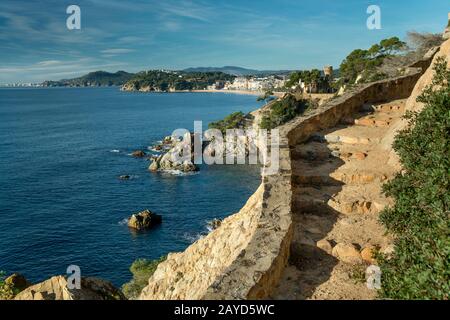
(188, 275)
(412, 104)
(56, 288)
(144, 220)
(17, 282)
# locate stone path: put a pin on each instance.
(337, 179)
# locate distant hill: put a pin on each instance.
(164, 81)
(237, 71)
(93, 79)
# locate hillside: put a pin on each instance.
(237, 71)
(93, 79)
(162, 81)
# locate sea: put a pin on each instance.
(62, 151)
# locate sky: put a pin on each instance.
(135, 35)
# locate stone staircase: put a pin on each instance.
(337, 197)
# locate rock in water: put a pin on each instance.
(154, 166)
(214, 223)
(56, 288)
(138, 154)
(144, 220)
(125, 177)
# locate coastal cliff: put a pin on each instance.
(260, 263)
(252, 254)
(189, 274)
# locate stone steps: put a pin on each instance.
(394, 106)
(346, 199)
(337, 178)
(369, 121)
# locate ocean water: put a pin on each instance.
(61, 202)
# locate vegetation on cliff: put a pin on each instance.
(419, 220)
(142, 270)
(307, 76)
(235, 120)
(284, 110)
(389, 58)
(6, 292)
(158, 80)
(93, 79)
(362, 64)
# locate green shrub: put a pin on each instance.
(283, 111)
(6, 291)
(142, 270)
(233, 121)
(419, 268)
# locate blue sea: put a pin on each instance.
(61, 202)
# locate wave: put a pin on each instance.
(114, 151)
(193, 237)
(179, 173)
(123, 222)
(152, 149)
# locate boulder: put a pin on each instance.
(359, 155)
(154, 165)
(144, 220)
(168, 140)
(172, 159)
(325, 245)
(347, 253)
(138, 154)
(368, 253)
(214, 224)
(56, 288)
(189, 167)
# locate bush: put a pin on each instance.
(283, 111)
(366, 63)
(6, 291)
(419, 220)
(424, 41)
(233, 121)
(142, 270)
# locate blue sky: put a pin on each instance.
(35, 44)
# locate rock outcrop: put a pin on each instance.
(17, 282)
(187, 275)
(138, 154)
(144, 220)
(412, 104)
(56, 288)
(177, 158)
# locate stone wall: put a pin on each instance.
(245, 257)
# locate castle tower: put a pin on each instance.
(328, 71)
